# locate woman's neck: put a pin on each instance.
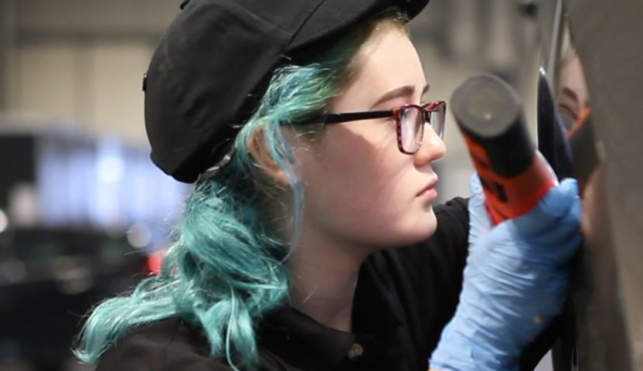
(323, 283)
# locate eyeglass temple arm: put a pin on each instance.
(334, 118)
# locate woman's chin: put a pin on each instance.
(420, 230)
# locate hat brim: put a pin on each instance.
(334, 17)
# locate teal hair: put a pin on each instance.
(226, 268)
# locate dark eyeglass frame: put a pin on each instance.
(397, 113)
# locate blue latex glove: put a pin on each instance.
(515, 282)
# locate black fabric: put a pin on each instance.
(403, 300)
(214, 61)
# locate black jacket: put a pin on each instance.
(403, 300)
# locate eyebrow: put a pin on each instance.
(404, 91)
(571, 94)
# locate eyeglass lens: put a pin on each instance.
(412, 126)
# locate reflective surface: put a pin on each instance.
(595, 117)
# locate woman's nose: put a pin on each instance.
(432, 148)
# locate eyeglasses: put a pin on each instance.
(409, 119)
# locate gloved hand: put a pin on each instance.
(515, 282)
(479, 219)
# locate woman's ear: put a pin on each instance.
(263, 158)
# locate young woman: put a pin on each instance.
(311, 241)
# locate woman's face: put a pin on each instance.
(359, 188)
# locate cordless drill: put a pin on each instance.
(513, 175)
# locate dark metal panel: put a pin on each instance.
(609, 295)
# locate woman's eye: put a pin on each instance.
(568, 116)
(563, 108)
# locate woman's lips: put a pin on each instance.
(431, 193)
(429, 190)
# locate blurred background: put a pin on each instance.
(82, 208)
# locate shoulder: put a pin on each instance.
(453, 216)
(426, 278)
(442, 255)
(449, 246)
(169, 344)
